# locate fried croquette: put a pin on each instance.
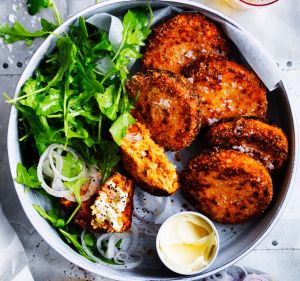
(109, 210)
(112, 209)
(176, 42)
(147, 163)
(168, 107)
(227, 186)
(226, 89)
(266, 143)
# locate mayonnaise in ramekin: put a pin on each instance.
(187, 243)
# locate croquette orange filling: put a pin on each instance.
(147, 163)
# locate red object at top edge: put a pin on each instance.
(257, 5)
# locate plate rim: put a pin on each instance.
(37, 221)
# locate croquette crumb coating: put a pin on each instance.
(227, 186)
(176, 42)
(168, 107)
(226, 89)
(266, 143)
(147, 163)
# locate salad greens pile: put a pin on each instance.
(77, 97)
(70, 99)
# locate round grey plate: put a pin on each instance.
(236, 241)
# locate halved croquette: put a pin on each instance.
(147, 163)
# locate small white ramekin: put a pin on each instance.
(172, 267)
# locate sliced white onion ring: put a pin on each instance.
(47, 188)
(126, 265)
(135, 238)
(95, 182)
(121, 256)
(110, 252)
(99, 244)
(94, 185)
(53, 154)
(47, 169)
(51, 165)
(58, 165)
(57, 184)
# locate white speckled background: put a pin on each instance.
(277, 27)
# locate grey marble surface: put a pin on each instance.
(45, 263)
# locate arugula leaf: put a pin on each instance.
(135, 29)
(35, 5)
(90, 81)
(48, 26)
(66, 55)
(17, 32)
(109, 158)
(73, 239)
(105, 100)
(79, 34)
(89, 240)
(60, 224)
(44, 136)
(75, 186)
(75, 129)
(32, 101)
(102, 44)
(109, 101)
(71, 166)
(28, 178)
(56, 222)
(119, 127)
(118, 244)
(51, 103)
(112, 111)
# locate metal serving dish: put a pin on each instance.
(236, 241)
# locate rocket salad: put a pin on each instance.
(73, 113)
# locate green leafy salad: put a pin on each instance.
(73, 113)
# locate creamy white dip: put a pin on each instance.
(186, 243)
